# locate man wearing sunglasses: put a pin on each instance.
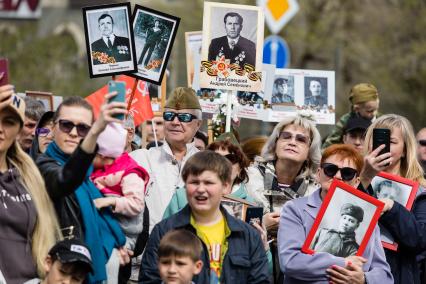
(421, 148)
(182, 119)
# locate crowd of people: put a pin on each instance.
(82, 202)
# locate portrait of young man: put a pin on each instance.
(315, 92)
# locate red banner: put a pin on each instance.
(140, 108)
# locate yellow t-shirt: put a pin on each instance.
(214, 238)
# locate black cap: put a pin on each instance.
(69, 251)
(357, 123)
(281, 81)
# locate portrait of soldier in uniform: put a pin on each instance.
(340, 241)
(315, 94)
(114, 46)
(281, 92)
(233, 46)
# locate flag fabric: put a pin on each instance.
(140, 108)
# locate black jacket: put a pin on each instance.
(244, 262)
(244, 51)
(409, 231)
(61, 182)
(120, 49)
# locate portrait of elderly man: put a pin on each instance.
(281, 92)
(341, 241)
(233, 46)
(315, 96)
(114, 46)
(182, 119)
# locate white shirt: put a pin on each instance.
(235, 40)
(111, 38)
(164, 177)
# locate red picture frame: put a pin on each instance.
(406, 199)
(337, 186)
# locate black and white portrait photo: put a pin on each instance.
(316, 92)
(283, 90)
(110, 46)
(345, 226)
(154, 36)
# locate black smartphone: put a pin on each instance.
(4, 72)
(120, 88)
(381, 136)
(254, 215)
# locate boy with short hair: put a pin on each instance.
(232, 250)
(179, 257)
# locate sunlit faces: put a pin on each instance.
(68, 142)
(9, 128)
(178, 269)
(293, 148)
(204, 192)
(397, 146)
(315, 88)
(105, 26)
(27, 133)
(367, 110)
(347, 224)
(177, 132)
(325, 181)
(233, 27)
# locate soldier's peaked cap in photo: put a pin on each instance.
(352, 210)
(183, 98)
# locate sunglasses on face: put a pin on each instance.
(232, 158)
(346, 173)
(182, 117)
(422, 143)
(42, 132)
(67, 126)
(287, 136)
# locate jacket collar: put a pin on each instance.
(190, 149)
(314, 202)
(183, 219)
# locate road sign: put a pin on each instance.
(276, 52)
(278, 12)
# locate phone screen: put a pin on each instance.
(4, 72)
(120, 88)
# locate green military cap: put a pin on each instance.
(183, 98)
(362, 93)
(352, 210)
(228, 136)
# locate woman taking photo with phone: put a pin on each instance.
(27, 218)
(66, 167)
(408, 228)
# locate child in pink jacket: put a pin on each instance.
(121, 180)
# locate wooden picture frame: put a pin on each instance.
(347, 203)
(45, 97)
(398, 189)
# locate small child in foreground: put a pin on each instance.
(179, 257)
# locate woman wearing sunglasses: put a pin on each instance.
(344, 163)
(43, 135)
(66, 168)
(28, 223)
(285, 170)
(408, 228)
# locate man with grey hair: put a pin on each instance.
(182, 119)
(33, 111)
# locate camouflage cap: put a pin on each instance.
(362, 93)
(183, 98)
(352, 210)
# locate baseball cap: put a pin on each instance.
(18, 106)
(73, 250)
(357, 122)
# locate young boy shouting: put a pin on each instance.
(179, 257)
(232, 250)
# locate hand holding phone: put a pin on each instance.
(381, 136)
(120, 88)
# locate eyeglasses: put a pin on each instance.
(346, 173)
(285, 135)
(232, 158)
(42, 132)
(422, 143)
(182, 117)
(67, 126)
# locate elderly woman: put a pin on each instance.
(408, 228)
(298, 217)
(285, 170)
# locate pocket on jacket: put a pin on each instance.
(240, 268)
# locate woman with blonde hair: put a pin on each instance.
(285, 170)
(408, 228)
(27, 216)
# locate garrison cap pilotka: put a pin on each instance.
(362, 93)
(352, 210)
(183, 98)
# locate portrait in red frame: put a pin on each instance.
(399, 189)
(343, 198)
